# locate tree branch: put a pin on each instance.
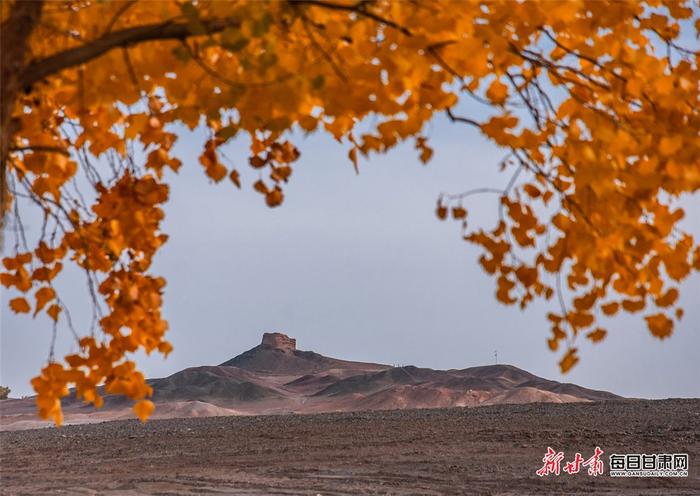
(359, 9)
(41, 148)
(465, 120)
(168, 30)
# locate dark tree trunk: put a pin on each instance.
(15, 32)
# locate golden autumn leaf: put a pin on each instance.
(610, 308)
(659, 325)
(260, 187)
(668, 298)
(441, 212)
(43, 296)
(352, 155)
(19, 305)
(597, 335)
(235, 178)
(217, 172)
(531, 190)
(459, 213)
(143, 409)
(53, 312)
(497, 92)
(274, 197)
(633, 305)
(570, 359)
(580, 319)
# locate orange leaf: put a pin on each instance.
(497, 92)
(668, 299)
(597, 335)
(459, 213)
(43, 296)
(610, 308)
(260, 187)
(235, 177)
(659, 325)
(441, 212)
(531, 191)
(19, 305)
(256, 162)
(580, 319)
(633, 305)
(7, 280)
(426, 154)
(352, 155)
(44, 253)
(53, 312)
(274, 197)
(569, 360)
(216, 172)
(165, 348)
(144, 409)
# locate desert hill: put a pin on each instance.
(277, 354)
(276, 378)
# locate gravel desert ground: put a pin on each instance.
(484, 450)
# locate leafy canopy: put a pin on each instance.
(594, 102)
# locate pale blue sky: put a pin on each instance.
(358, 267)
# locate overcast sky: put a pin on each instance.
(358, 267)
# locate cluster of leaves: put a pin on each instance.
(595, 116)
(615, 151)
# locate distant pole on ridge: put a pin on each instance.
(495, 356)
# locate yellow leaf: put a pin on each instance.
(441, 212)
(532, 191)
(580, 319)
(668, 299)
(235, 178)
(670, 145)
(274, 197)
(597, 335)
(659, 325)
(585, 302)
(260, 187)
(426, 154)
(7, 280)
(633, 305)
(165, 348)
(308, 123)
(497, 92)
(459, 213)
(569, 360)
(54, 311)
(554, 318)
(610, 308)
(352, 155)
(216, 172)
(19, 305)
(43, 296)
(144, 409)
